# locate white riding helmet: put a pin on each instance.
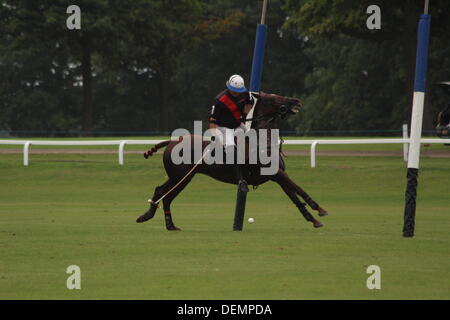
(236, 83)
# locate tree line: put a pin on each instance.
(152, 66)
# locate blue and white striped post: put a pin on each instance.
(258, 52)
(423, 37)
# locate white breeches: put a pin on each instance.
(228, 135)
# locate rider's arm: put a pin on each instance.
(213, 128)
(213, 116)
(216, 135)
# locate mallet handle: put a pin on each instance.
(264, 10)
(425, 11)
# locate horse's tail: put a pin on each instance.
(158, 146)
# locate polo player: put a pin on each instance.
(228, 115)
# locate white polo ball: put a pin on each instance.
(251, 220)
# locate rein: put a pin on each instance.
(264, 116)
(271, 117)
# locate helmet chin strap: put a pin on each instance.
(248, 124)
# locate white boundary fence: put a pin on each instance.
(122, 143)
(314, 144)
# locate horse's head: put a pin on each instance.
(271, 107)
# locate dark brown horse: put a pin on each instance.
(269, 108)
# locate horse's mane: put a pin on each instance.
(271, 97)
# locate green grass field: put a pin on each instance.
(67, 209)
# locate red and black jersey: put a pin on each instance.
(227, 110)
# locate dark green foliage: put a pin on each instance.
(156, 65)
(363, 79)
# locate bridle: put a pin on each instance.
(281, 113)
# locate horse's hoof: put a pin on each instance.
(173, 228)
(317, 224)
(143, 218)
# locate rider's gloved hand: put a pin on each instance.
(243, 127)
(217, 137)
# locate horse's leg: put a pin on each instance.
(168, 200)
(159, 192)
(305, 196)
(310, 201)
(282, 179)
